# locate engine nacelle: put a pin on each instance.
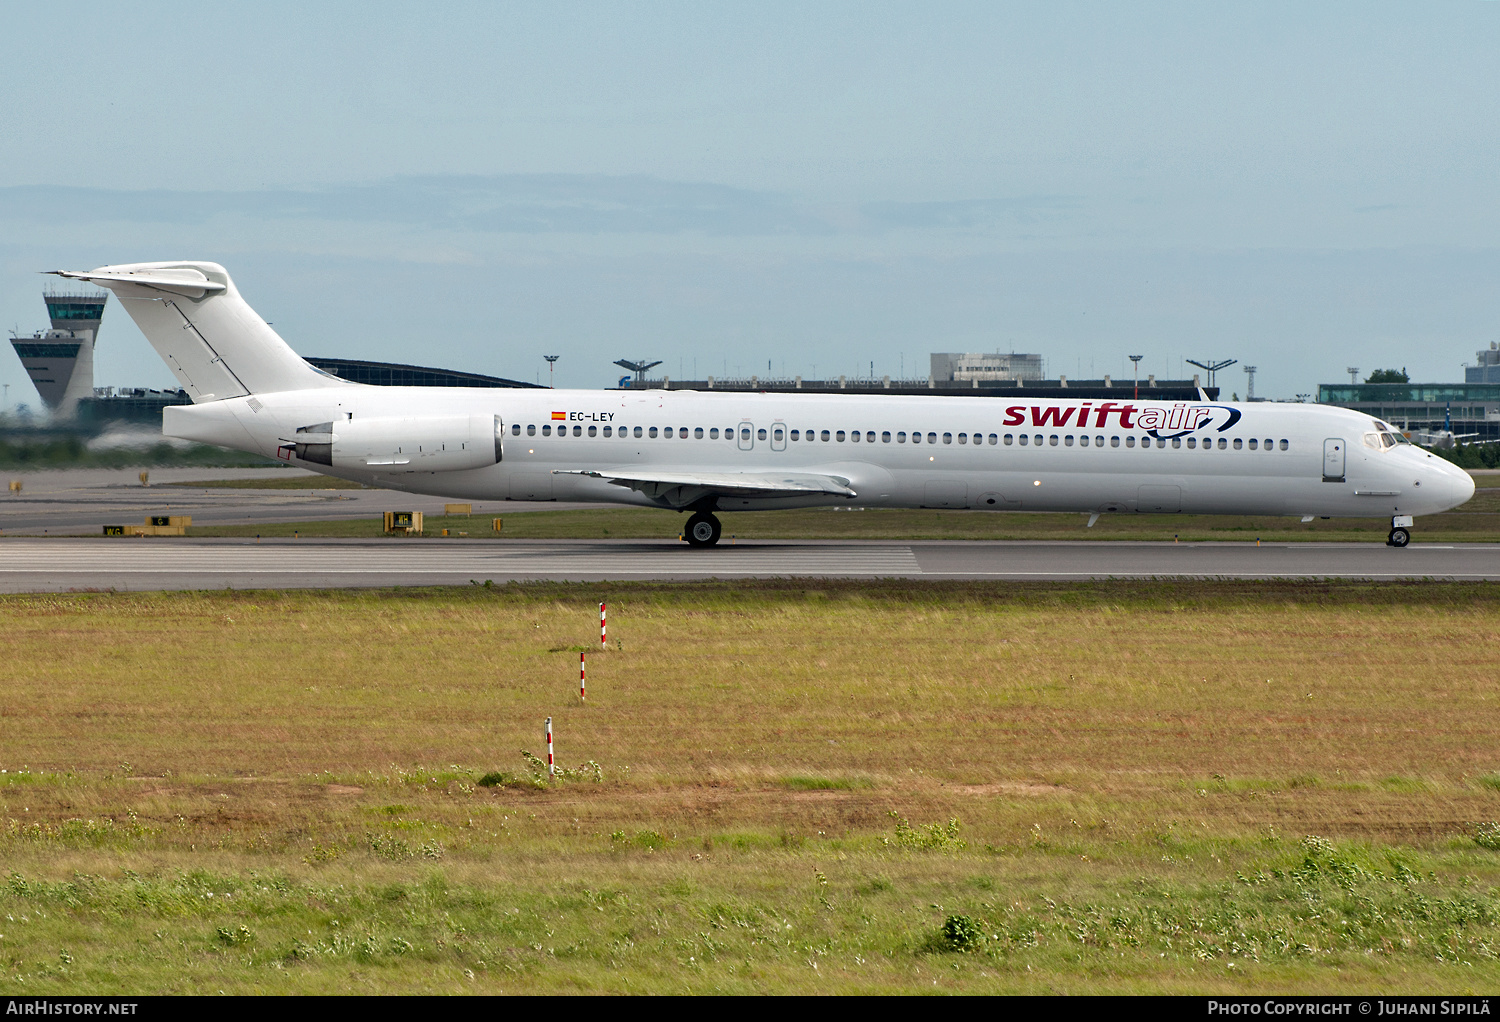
(429, 443)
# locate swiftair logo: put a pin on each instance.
(1163, 422)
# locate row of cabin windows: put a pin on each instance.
(868, 436)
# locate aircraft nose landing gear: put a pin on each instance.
(1400, 531)
(703, 529)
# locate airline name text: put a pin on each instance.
(1129, 416)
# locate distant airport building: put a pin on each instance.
(979, 379)
(391, 374)
(1475, 407)
(60, 362)
(1486, 367)
(951, 367)
(135, 404)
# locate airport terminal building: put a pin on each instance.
(1473, 404)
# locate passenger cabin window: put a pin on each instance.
(932, 438)
(515, 430)
(901, 437)
(885, 437)
(1008, 437)
(531, 430)
(963, 438)
(593, 431)
(546, 430)
(778, 433)
(839, 436)
(637, 432)
(1114, 441)
(1285, 445)
(824, 436)
(854, 436)
(1024, 440)
(796, 435)
(760, 434)
(713, 434)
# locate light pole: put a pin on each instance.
(1250, 388)
(1136, 365)
(1212, 367)
(551, 362)
(1353, 372)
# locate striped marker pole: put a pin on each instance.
(551, 770)
(583, 678)
(603, 629)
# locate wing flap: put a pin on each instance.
(681, 488)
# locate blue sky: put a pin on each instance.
(817, 187)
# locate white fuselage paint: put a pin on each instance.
(1282, 474)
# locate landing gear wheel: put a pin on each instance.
(703, 529)
(1398, 538)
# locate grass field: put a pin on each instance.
(799, 787)
(1476, 522)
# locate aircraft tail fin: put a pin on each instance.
(210, 338)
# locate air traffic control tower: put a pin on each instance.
(60, 362)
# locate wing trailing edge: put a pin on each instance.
(680, 489)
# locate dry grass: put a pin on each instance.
(1107, 746)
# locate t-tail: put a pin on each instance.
(213, 342)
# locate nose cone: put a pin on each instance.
(1462, 486)
(1449, 485)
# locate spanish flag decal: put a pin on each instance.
(559, 415)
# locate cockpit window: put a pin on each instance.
(1372, 440)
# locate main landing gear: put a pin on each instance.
(703, 529)
(1400, 531)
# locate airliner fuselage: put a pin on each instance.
(986, 453)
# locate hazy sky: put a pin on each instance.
(817, 186)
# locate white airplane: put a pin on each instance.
(708, 453)
(1444, 439)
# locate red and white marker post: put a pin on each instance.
(603, 629)
(583, 678)
(551, 770)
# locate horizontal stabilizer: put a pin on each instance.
(185, 281)
(682, 488)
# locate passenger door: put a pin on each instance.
(778, 436)
(746, 436)
(1333, 460)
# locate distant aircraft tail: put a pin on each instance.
(213, 342)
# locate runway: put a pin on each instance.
(76, 502)
(53, 565)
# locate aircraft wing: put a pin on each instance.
(682, 488)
